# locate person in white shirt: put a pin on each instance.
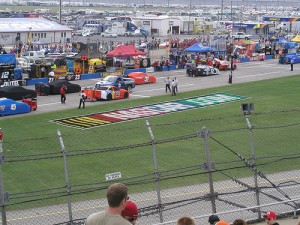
(51, 73)
(173, 87)
(82, 99)
(176, 84)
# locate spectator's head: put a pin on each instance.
(130, 212)
(213, 219)
(270, 217)
(117, 195)
(239, 222)
(185, 220)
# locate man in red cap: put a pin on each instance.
(270, 218)
(130, 212)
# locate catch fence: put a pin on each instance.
(192, 167)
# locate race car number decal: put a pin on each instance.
(117, 94)
(146, 79)
(13, 107)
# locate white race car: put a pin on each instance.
(202, 70)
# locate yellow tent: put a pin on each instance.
(296, 39)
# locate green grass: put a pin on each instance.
(32, 136)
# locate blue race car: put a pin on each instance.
(289, 57)
(12, 107)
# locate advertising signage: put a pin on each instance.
(281, 19)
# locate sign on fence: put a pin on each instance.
(113, 176)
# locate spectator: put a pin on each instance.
(130, 212)
(43, 71)
(213, 219)
(116, 197)
(239, 222)
(185, 220)
(270, 218)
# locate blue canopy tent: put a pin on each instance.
(198, 47)
(281, 40)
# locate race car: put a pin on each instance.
(224, 65)
(141, 78)
(53, 87)
(105, 93)
(12, 107)
(295, 57)
(202, 70)
(16, 92)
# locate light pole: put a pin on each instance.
(59, 11)
(221, 10)
(247, 109)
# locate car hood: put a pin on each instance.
(104, 83)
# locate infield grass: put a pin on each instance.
(35, 134)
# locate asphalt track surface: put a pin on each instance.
(246, 72)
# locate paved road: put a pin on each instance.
(246, 72)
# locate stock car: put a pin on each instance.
(202, 70)
(105, 93)
(53, 87)
(225, 65)
(12, 107)
(16, 92)
(141, 78)
(296, 58)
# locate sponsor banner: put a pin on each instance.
(281, 19)
(123, 115)
(117, 73)
(15, 83)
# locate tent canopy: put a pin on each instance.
(198, 47)
(125, 50)
(282, 40)
(296, 39)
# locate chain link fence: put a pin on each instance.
(192, 167)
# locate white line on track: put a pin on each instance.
(162, 88)
(52, 103)
(142, 96)
(260, 74)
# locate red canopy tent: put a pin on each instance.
(125, 50)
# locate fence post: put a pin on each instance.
(68, 192)
(253, 162)
(155, 171)
(208, 165)
(2, 205)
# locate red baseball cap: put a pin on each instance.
(131, 209)
(270, 215)
(222, 222)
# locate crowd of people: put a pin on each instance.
(122, 211)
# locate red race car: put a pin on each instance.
(224, 65)
(142, 78)
(106, 93)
